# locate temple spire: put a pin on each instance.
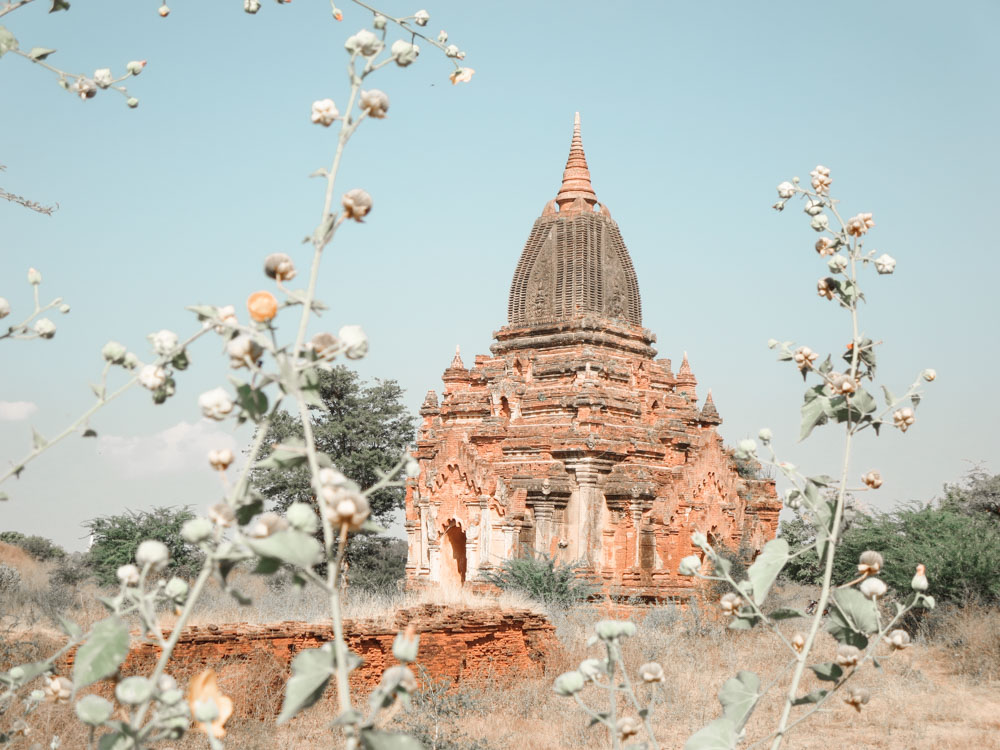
(576, 176)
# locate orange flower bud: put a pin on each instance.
(262, 306)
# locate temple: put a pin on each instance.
(571, 438)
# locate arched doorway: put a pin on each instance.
(453, 558)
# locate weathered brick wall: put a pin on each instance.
(455, 645)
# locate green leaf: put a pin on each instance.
(719, 735)
(744, 621)
(814, 697)
(827, 366)
(827, 671)
(69, 627)
(766, 568)
(115, 741)
(814, 412)
(784, 613)
(28, 673)
(852, 618)
(203, 311)
(252, 400)
(37, 441)
(376, 739)
(309, 387)
(246, 512)
(94, 710)
(738, 697)
(311, 671)
(289, 546)
(59, 5)
(7, 41)
(823, 513)
(102, 654)
(40, 53)
(862, 401)
(890, 400)
(90, 432)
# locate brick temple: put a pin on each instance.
(571, 438)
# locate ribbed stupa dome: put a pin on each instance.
(575, 263)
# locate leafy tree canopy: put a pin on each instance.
(116, 539)
(364, 428)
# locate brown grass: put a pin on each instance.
(938, 694)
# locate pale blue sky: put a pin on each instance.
(692, 113)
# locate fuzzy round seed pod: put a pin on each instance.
(731, 603)
(114, 352)
(134, 691)
(196, 530)
(332, 477)
(873, 588)
(45, 328)
(324, 112)
(627, 727)
(898, 639)
(690, 565)
(164, 11)
(825, 246)
(152, 377)
(870, 562)
(421, 17)
(94, 710)
(885, 264)
(820, 222)
(821, 179)
(128, 575)
(221, 459)
(919, 582)
(765, 435)
(568, 683)
(243, 350)
(363, 43)
(841, 384)
(58, 689)
(813, 207)
(302, 517)
(222, 514)
(928, 374)
(357, 204)
(872, 479)
(614, 630)
(398, 677)
(279, 266)
(215, 404)
(652, 672)
(347, 506)
(856, 697)
(324, 344)
(786, 190)
(354, 341)
(798, 642)
(404, 53)
(804, 357)
(4, 308)
(903, 418)
(152, 552)
(227, 319)
(860, 224)
(266, 524)
(847, 655)
(376, 102)
(825, 287)
(262, 306)
(592, 668)
(163, 342)
(698, 539)
(837, 263)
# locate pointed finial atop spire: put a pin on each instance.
(710, 414)
(457, 361)
(576, 176)
(685, 366)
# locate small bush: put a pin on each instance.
(10, 580)
(968, 636)
(543, 579)
(38, 547)
(377, 563)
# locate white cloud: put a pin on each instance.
(181, 448)
(15, 411)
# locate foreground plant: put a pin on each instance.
(836, 396)
(237, 530)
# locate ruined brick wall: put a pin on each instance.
(455, 645)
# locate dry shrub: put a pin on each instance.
(967, 638)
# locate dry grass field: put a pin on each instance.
(942, 693)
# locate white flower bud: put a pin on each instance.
(856, 697)
(746, 448)
(870, 562)
(798, 642)
(690, 565)
(346, 506)
(592, 668)
(114, 352)
(859, 225)
(206, 711)
(376, 102)
(4, 308)
(698, 539)
(398, 678)
(324, 112)
(128, 575)
(354, 341)
(872, 479)
(251, 6)
(873, 588)
(164, 342)
(731, 603)
(135, 66)
(614, 630)
(903, 418)
(64, 308)
(412, 468)
(813, 208)
(821, 179)
(765, 436)
(131, 361)
(221, 459)
(405, 645)
(34, 276)
(837, 263)
(919, 582)
(222, 514)
(898, 639)
(59, 689)
(176, 589)
(242, 350)
(152, 377)
(333, 478)
(652, 672)
(85, 88)
(103, 77)
(265, 525)
(847, 655)
(153, 553)
(164, 11)
(215, 404)
(302, 517)
(442, 37)
(451, 51)
(928, 375)
(786, 190)
(820, 222)
(404, 53)
(227, 319)
(421, 17)
(379, 22)
(885, 264)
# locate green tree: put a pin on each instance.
(364, 428)
(116, 539)
(978, 495)
(38, 547)
(541, 578)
